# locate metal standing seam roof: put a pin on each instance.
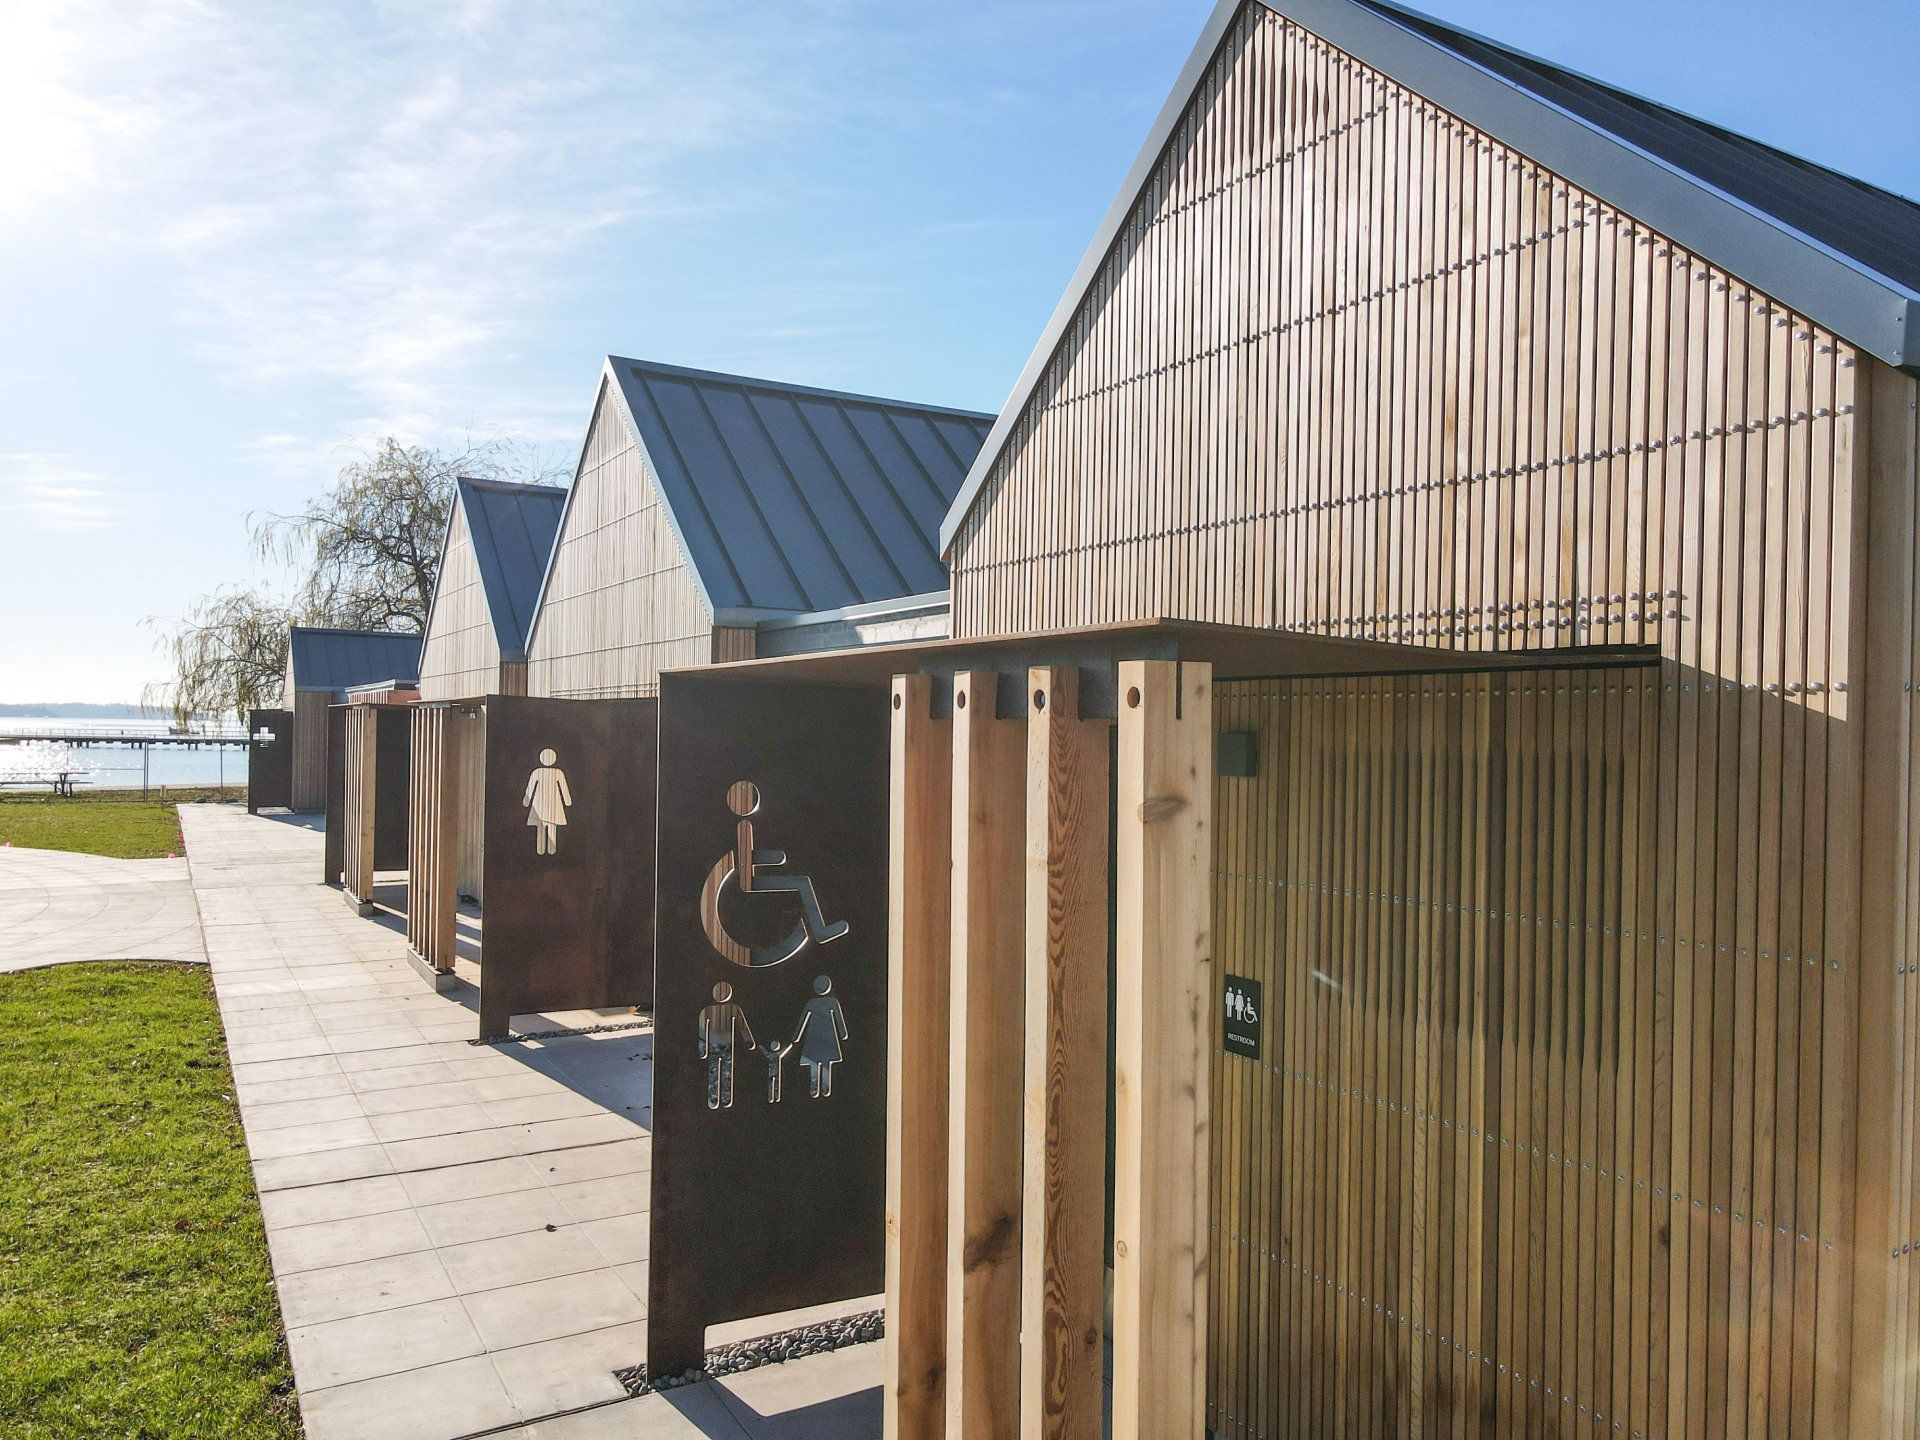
(328, 659)
(788, 498)
(1842, 252)
(512, 528)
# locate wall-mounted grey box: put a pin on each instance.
(1238, 754)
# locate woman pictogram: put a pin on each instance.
(823, 1025)
(547, 799)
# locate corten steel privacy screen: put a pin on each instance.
(770, 1061)
(568, 872)
(392, 766)
(269, 760)
(336, 778)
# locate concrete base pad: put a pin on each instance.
(441, 980)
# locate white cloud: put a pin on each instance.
(54, 493)
(390, 199)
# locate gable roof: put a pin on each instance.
(1842, 252)
(786, 498)
(512, 528)
(329, 659)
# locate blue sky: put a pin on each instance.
(237, 240)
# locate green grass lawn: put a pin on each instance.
(129, 829)
(135, 1298)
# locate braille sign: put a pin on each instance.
(1244, 1007)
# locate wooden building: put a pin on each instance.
(710, 516)
(323, 664)
(1515, 1022)
(498, 540)
(706, 507)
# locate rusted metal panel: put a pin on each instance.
(335, 789)
(269, 760)
(569, 919)
(392, 758)
(765, 1204)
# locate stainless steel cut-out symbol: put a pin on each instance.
(746, 869)
(263, 736)
(823, 1025)
(546, 803)
(723, 1026)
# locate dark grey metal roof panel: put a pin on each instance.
(1879, 229)
(513, 528)
(790, 498)
(327, 659)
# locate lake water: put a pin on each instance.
(119, 767)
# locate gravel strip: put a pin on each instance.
(820, 1339)
(515, 1037)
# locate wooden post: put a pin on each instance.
(1063, 1269)
(362, 757)
(988, 1053)
(1162, 1017)
(919, 870)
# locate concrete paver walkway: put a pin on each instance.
(458, 1232)
(57, 908)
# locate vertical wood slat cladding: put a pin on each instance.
(1552, 1131)
(1354, 368)
(432, 837)
(460, 656)
(621, 604)
(309, 709)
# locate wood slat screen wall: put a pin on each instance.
(432, 836)
(360, 762)
(1551, 1122)
(621, 605)
(460, 656)
(1353, 367)
(309, 748)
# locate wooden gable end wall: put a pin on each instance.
(460, 657)
(621, 604)
(1354, 368)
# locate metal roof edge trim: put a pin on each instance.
(1867, 308)
(926, 601)
(1191, 73)
(761, 382)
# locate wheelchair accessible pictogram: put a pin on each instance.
(750, 872)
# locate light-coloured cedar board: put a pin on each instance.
(620, 604)
(1063, 1254)
(459, 653)
(432, 836)
(987, 1053)
(920, 840)
(1162, 1009)
(361, 764)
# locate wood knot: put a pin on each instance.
(1160, 807)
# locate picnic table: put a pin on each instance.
(62, 781)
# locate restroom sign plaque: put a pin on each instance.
(1243, 1008)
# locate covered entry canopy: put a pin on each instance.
(969, 1181)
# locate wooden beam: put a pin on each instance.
(1162, 1017)
(1063, 1271)
(988, 1053)
(919, 878)
(363, 735)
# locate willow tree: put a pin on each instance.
(228, 655)
(363, 554)
(368, 548)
